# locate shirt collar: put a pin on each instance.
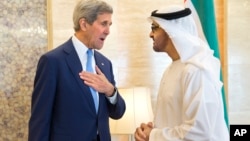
(81, 49)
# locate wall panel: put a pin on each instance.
(23, 38)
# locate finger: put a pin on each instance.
(98, 71)
(87, 75)
(81, 73)
(84, 73)
(143, 125)
(88, 80)
(150, 124)
(138, 138)
(139, 135)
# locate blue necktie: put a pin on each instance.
(90, 69)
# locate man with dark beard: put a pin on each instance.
(189, 104)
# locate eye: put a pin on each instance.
(105, 24)
(154, 27)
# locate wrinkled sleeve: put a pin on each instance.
(42, 100)
(199, 108)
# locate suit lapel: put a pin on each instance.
(99, 62)
(75, 66)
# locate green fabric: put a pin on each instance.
(205, 11)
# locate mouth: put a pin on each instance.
(102, 39)
(153, 42)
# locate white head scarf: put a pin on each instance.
(190, 47)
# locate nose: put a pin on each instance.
(151, 34)
(107, 30)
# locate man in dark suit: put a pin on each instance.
(63, 105)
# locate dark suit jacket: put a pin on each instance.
(62, 105)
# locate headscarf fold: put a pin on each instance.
(190, 47)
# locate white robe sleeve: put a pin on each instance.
(202, 109)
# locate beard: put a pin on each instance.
(158, 48)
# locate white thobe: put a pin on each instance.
(189, 107)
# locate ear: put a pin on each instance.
(83, 24)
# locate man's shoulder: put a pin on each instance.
(67, 46)
(100, 55)
(191, 68)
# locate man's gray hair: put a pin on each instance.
(89, 10)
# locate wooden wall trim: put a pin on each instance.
(221, 18)
(49, 25)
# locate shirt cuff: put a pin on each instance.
(113, 99)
